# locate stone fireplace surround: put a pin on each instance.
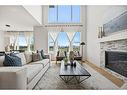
(117, 45)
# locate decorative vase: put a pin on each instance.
(71, 61)
(74, 64)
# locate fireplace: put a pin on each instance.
(116, 61)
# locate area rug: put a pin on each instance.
(51, 81)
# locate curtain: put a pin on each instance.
(16, 41)
(28, 36)
(13, 39)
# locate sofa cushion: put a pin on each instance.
(28, 56)
(22, 56)
(12, 61)
(1, 60)
(33, 70)
(44, 62)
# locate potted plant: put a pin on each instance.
(71, 57)
(65, 61)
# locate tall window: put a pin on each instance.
(76, 42)
(64, 14)
(63, 42)
(52, 14)
(50, 43)
(22, 42)
(32, 43)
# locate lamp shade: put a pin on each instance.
(82, 43)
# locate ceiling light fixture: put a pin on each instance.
(7, 25)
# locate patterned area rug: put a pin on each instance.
(51, 80)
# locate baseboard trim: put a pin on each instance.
(117, 81)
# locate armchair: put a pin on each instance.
(77, 56)
(60, 56)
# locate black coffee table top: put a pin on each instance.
(79, 70)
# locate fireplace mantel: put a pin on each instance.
(117, 36)
(124, 51)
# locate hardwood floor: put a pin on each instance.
(117, 81)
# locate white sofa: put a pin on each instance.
(25, 77)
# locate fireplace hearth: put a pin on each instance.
(116, 61)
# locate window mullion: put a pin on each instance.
(71, 13)
(57, 13)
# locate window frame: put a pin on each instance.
(21, 35)
(67, 39)
(49, 44)
(79, 42)
(64, 23)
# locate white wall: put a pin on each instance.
(96, 17)
(40, 38)
(35, 11)
(2, 40)
(83, 32)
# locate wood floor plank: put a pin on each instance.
(117, 81)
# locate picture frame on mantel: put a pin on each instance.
(116, 25)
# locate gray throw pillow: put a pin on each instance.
(12, 61)
(42, 54)
(36, 57)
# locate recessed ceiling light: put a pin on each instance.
(7, 25)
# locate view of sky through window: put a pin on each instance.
(63, 39)
(22, 40)
(76, 39)
(64, 14)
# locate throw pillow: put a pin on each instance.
(12, 54)
(2, 60)
(12, 61)
(28, 56)
(42, 54)
(39, 52)
(22, 56)
(36, 57)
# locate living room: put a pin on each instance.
(94, 34)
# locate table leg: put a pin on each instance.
(79, 79)
(66, 79)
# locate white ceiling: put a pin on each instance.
(17, 17)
